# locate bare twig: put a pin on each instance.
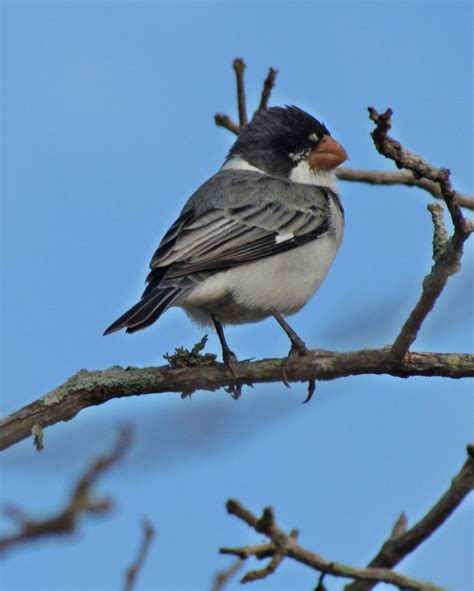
(447, 260)
(397, 547)
(90, 388)
(81, 502)
(268, 85)
(283, 545)
(447, 263)
(225, 121)
(440, 233)
(403, 158)
(398, 177)
(239, 67)
(224, 576)
(134, 568)
(399, 527)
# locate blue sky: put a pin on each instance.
(107, 116)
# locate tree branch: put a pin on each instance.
(403, 158)
(284, 545)
(90, 388)
(134, 569)
(81, 501)
(448, 256)
(402, 177)
(397, 547)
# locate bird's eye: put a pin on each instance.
(314, 137)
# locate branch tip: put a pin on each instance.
(239, 67)
(268, 85)
(133, 570)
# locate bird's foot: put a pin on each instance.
(230, 359)
(298, 350)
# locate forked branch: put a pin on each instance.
(399, 544)
(447, 256)
(82, 501)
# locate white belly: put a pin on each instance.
(283, 282)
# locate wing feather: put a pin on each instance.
(223, 238)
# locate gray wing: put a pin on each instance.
(223, 238)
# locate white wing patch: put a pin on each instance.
(284, 237)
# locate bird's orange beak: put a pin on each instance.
(327, 155)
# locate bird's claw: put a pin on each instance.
(298, 349)
(235, 390)
(311, 390)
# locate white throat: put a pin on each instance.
(302, 173)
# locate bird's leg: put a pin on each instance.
(298, 346)
(228, 356)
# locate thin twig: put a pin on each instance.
(81, 501)
(239, 67)
(91, 388)
(403, 158)
(284, 545)
(399, 527)
(398, 177)
(226, 122)
(134, 568)
(397, 547)
(448, 262)
(268, 85)
(224, 576)
(262, 573)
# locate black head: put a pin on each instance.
(277, 139)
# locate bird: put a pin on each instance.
(257, 238)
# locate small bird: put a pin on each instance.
(257, 238)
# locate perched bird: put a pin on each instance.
(257, 238)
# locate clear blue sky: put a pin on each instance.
(108, 127)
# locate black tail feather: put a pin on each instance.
(145, 312)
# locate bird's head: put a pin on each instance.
(283, 141)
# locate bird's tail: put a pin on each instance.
(149, 308)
